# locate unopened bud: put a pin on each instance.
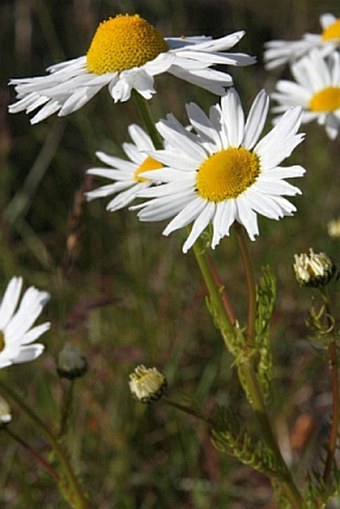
(71, 363)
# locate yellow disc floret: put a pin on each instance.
(147, 165)
(327, 99)
(122, 43)
(332, 32)
(227, 173)
(2, 341)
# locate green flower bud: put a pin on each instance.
(71, 363)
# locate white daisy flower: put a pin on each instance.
(126, 53)
(281, 52)
(223, 173)
(16, 320)
(316, 90)
(126, 175)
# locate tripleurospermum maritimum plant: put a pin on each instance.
(214, 178)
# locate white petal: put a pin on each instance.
(124, 198)
(35, 333)
(10, 301)
(29, 309)
(29, 353)
(140, 138)
(256, 120)
(327, 19)
(199, 225)
(108, 190)
(246, 216)
(233, 117)
(213, 81)
(203, 125)
(163, 208)
(182, 142)
(281, 140)
(186, 216)
(223, 219)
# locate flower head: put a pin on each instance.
(147, 384)
(126, 53)
(223, 173)
(280, 52)
(313, 269)
(316, 90)
(16, 320)
(126, 175)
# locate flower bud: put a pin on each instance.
(147, 384)
(71, 363)
(313, 269)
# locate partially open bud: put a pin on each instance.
(313, 269)
(147, 384)
(71, 363)
(5, 412)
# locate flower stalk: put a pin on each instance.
(75, 495)
(250, 280)
(145, 114)
(335, 419)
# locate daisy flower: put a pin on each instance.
(223, 173)
(125, 174)
(16, 320)
(126, 53)
(316, 90)
(281, 52)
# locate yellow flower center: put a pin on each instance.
(147, 165)
(332, 32)
(227, 174)
(2, 341)
(123, 42)
(327, 99)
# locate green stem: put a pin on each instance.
(186, 409)
(66, 409)
(223, 293)
(251, 287)
(333, 365)
(214, 291)
(145, 114)
(78, 496)
(249, 376)
(335, 412)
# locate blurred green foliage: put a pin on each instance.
(127, 295)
